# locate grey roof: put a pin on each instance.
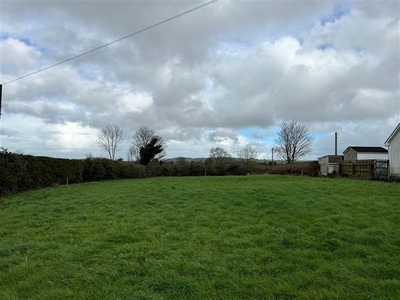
(363, 149)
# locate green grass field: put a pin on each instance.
(265, 237)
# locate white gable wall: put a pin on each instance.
(394, 156)
(367, 156)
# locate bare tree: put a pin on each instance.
(133, 154)
(247, 154)
(143, 136)
(293, 141)
(109, 138)
(219, 155)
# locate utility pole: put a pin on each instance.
(336, 135)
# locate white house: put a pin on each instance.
(353, 153)
(393, 143)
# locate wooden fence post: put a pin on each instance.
(371, 169)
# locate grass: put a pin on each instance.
(270, 237)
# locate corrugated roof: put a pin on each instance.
(363, 149)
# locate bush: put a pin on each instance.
(93, 170)
(25, 172)
(236, 169)
(197, 168)
(12, 171)
(97, 169)
(309, 168)
(131, 170)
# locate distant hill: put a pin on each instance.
(203, 159)
(188, 159)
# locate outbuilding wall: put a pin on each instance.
(375, 156)
(350, 155)
(394, 157)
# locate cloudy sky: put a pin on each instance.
(226, 74)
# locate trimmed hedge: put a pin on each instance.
(184, 167)
(25, 172)
(20, 172)
(97, 169)
(310, 168)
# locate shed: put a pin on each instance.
(353, 153)
(329, 164)
(393, 143)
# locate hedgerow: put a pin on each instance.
(310, 168)
(20, 172)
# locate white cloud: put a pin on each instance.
(200, 79)
(71, 136)
(134, 102)
(17, 57)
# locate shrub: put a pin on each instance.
(197, 168)
(309, 168)
(93, 170)
(132, 170)
(12, 171)
(25, 172)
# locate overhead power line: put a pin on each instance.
(115, 41)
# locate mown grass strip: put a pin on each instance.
(203, 238)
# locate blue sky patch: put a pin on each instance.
(359, 49)
(325, 46)
(258, 135)
(24, 40)
(338, 12)
(4, 36)
(29, 43)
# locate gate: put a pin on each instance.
(381, 169)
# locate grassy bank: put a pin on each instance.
(203, 238)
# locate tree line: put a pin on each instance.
(20, 172)
(293, 141)
(145, 147)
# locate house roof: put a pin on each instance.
(363, 149)
(393, 134)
